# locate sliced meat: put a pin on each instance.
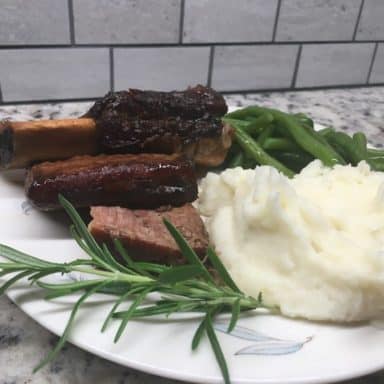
(144, 234)
(135, 181)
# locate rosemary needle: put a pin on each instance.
(187, 288)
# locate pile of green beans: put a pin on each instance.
(288, 142)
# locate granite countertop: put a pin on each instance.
(23, 342)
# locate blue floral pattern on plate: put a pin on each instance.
(263, 344)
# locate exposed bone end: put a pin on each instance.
(28, 142)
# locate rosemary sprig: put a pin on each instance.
(187, 288)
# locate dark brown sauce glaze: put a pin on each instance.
(196, 102)
(162, 136)
(137, 121)
(135, 181)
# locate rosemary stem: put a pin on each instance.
(244, 301)
(115, 276)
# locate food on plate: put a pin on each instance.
(289, 142)
(143, 234)
(194, 102)
(182, 288)
(132, 121)
(23, 143)
(164, 122)
(312, 244)
(134, 181)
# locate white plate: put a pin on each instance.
(282, 350)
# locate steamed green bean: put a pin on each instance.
(252, 149)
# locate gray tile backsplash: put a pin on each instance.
(334, 64)
(34, 22)
(248, 67)
(377, 75)
(126, 21)
(160, 68)
(228, 20)
(371, 25)
(61, 73)
(80, 49)
(314, 20)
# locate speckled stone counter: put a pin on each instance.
(23, 343)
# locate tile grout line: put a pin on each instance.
(336, 87)
(170, 45)
(181, 21)
(111, 69)
(210, 65)
(71, 22)
(50, 101)
(372, 62)
(276, 20)
(232, 92)
(358, 20)
(297, 63)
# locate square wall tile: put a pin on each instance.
(61, 73)
(165, 68)
(34, 22)
(377, 74)
(334, 64)
(228, 20)
(126, 21)
(317, 20)
(248, 67)
(371, 25)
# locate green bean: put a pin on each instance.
(325, 131)
(308, 140)
(303, 119)
(346, 145)
(249, 163)
(252, 126)
(377, 164)
(243, 113)
(295, 161)
(324, 141)
(359, 146)
(340, 150)
(297, 146)
(375, 152)
(281, 130)
(250, 118)
(236, 161)
(360, 141)
(256, 125)
(252, 149)
(280, 144)
(265, 134)
(232, 122)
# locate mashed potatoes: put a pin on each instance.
(313, 245)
